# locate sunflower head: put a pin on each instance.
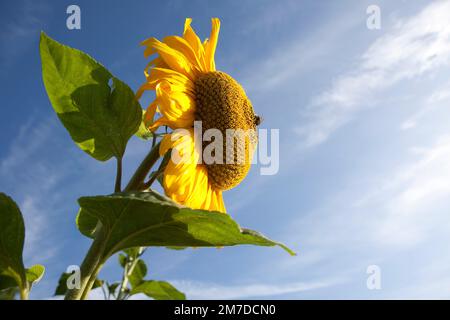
(188, 88)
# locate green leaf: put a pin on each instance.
(61, 289)
(138, 274)
(160, 180)
(143, 131)
(87, 224)
(35, 273)
(159, 290)
(13, 274)
(122, 260)
(132, 252)
(97, 283)
(12, 237)
(150, 219)
(100, 112)
(7, 282)
(113, 287)
(9, 294)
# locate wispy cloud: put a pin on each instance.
(413, 47)
(414, 197)
(288, 61)
(22, 148)
(26, 174)
(437, 99)
(201, 290)
(392, 211)
(441, 94)
(19, 28)
(395, 218)
(44, 172)
(396, 208)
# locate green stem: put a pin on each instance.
(137, 179)
(127, 271)
(23, 294)
(159, 171)
(118, 184)
(91, 281)
(105, 294)
(89, 266)
(123, 285)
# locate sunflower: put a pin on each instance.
(188, 88)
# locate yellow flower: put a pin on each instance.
(188, 88)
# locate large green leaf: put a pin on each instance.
(150, 219)
(159, 290)
(100, 112)
(12, 236)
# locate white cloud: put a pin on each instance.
(395, 217)
(201, 290)
(435, 100)
(392, 209)
(33, 182)
(19, 29)
(284, 63)
(415, 196)
(441, 94)
(30, 139)
(413, 47)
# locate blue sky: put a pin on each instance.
(364, 143)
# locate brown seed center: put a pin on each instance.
(222, 104)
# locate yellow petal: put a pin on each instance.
(181, 45)
(150, 114)
(197, 198)
(194, 41)
(159, 74)
(173, 58)
(174, 124)
(166, 144)
(211, 44)
(177, 108)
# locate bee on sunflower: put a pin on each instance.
(188, 90)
